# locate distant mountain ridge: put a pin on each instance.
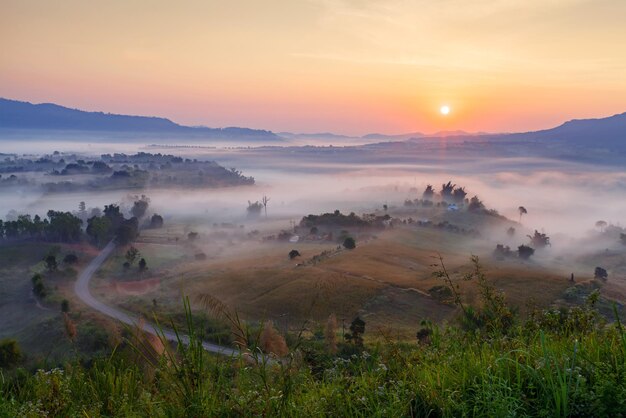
(24, 115)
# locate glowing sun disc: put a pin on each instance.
(444, 110)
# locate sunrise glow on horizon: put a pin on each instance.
(322, 65)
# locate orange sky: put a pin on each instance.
(348, 66)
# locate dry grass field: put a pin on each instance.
(386, 279)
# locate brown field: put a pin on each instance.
(385, 279)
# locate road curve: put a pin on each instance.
(81, 288)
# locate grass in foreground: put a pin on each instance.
(556, 363)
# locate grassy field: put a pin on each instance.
(386, 279)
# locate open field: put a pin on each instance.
(386, 280)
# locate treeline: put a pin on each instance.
(67, 227)
(56, 227)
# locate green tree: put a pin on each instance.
(99, 229)
(65, 306)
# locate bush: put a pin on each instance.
(525, 252)
(293, 254)
(70, 259)
(349, 243)
(10, 353)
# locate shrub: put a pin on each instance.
(525, 252)
(10, 353)
(349, 243)
(70, 259)
(600, 273)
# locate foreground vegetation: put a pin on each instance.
(556, 362)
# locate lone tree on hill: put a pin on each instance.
(349, 243)
(601, 225)
(522, 211)
(293, 254)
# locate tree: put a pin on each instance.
(293, 254)
(63, 226)
(600, 273)
(429, 192)
(525, 252)
(459, 194)
(475, 204)
(82, 208)
(140, 206)
(65, 306)
(131, 255)
(192, 236)
(349, 243)
(51, 262)
(142, 264)
(10, 353)
(156, 221)
(511, 231)
(539, 240)
(446, 190)
(128, 231)
(522, 211)
(264, 202)
(385, 207)
(38, 287)
(622, 238)
(357, 329)
(99, 228)
(254, 209)
(601, 225)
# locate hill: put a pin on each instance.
(17, 115)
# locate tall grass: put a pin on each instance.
(535, 368)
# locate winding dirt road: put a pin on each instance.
(81, 288)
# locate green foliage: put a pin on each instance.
(10, 353)
(65, 306)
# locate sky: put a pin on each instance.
(346, 66)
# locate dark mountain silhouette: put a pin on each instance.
(18, 115)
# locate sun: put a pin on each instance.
(444, 110)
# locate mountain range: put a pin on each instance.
(17, 115)
(609, 132)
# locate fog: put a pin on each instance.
(562, 198)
